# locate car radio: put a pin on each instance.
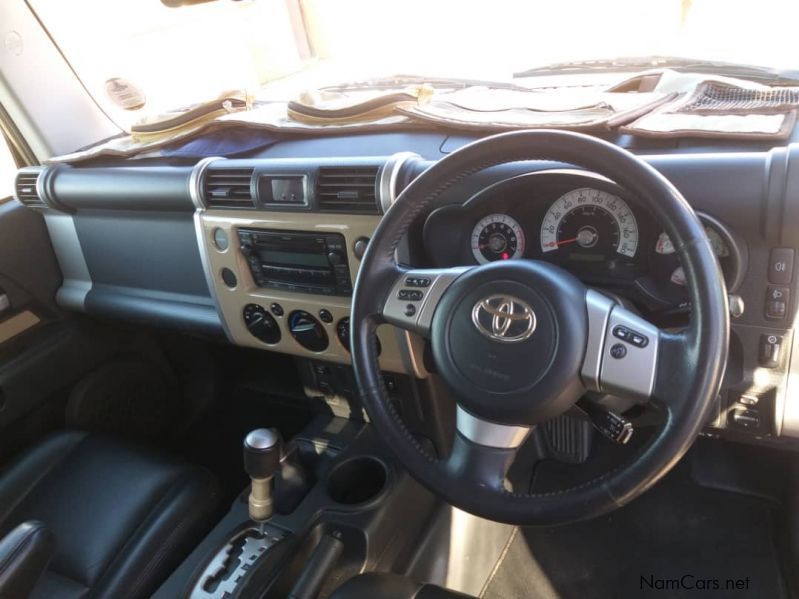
(297, 260)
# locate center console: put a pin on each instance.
(342, 505)
(281, 260)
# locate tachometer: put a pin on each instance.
(590, 223)
(497, 237)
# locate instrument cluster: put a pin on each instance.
(584, 223)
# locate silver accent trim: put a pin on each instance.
(787, 410)
(196, 179)
(633, 375)
(598, 307)
(387, 183)
(489, 434)
(209, 275)
(422, 319)
(503, 316)
(261, 438)
(77, 281)
(250, 544)
(31, 170)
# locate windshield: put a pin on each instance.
(141, 57)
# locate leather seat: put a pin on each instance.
(122, 517)
(379, 585)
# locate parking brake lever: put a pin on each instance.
(612, 425)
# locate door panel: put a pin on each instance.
(43, 351)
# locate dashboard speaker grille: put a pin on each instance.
(26, 190)
(347, 189)
(228, 188)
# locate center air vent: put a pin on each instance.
(347, 189)
(26, 190)
(228, 188)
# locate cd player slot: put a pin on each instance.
(297, 261)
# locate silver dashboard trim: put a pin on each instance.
(77, 279)
(202, 246)
(196, 178)
(387, 184)
(787, 409)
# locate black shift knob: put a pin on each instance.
(262, 453)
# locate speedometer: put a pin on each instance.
(497, 237)
(590, 224)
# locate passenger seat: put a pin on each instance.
(122, 517)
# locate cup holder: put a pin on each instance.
(356, 480)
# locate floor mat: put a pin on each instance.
(677, 540)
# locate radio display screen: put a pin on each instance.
(310, 260)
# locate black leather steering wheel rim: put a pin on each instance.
(687, 378)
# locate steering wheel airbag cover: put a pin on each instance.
(524, 382)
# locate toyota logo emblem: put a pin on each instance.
(504, 318)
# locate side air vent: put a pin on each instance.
(228, 188)
(347, 189)
(26, 190)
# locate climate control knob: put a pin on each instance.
(307, 331)
(261, 324)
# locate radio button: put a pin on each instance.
(335, 258)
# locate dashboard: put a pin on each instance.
(262, 251)
(585, 224)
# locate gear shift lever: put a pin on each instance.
(261, 462)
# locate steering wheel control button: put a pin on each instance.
(276, 309)
(633, 337)
(229, 277)
(417, 282)
(618, 351)
(780, 266)
(325, 316)
(627, 368)
(770, 353)
(410, 310)
(260, 324)
(410, 295)
(777, 299)
(307, 331)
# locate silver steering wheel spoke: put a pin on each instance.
(621, 355)
(490, 434)
(415, 295)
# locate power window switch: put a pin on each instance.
(770, 353)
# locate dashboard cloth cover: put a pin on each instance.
(679, 105)
(122, 517)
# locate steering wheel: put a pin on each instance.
(518, 342)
